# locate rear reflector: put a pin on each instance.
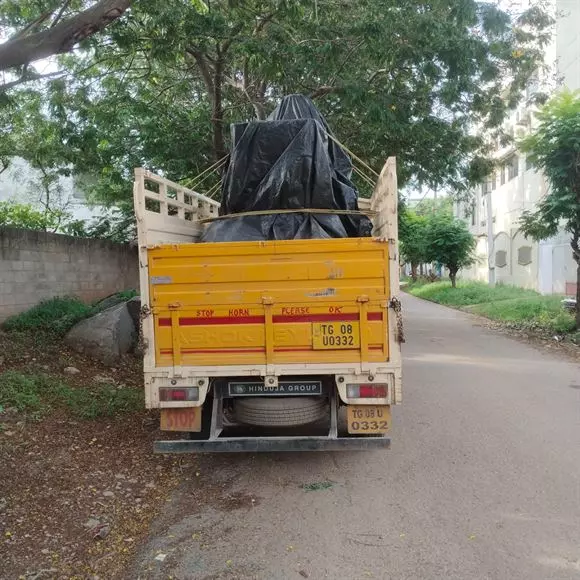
(367, 391)
(179, 394)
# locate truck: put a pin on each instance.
(277, 345)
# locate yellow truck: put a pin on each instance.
(267, 345)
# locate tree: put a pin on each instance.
(554, 148)
(450, 243)
(50, 27)
(20, 215)
(412, 229)
(394, 77)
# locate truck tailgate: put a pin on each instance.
(275, 302)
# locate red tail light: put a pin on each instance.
(369, 391)
(179, 394)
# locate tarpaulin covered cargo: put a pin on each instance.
(287, 163)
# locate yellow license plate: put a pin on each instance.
(335, 335)
(181, 419)
(368, 419)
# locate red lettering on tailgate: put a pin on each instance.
(236, 312)
(294, 310)
(204, 313)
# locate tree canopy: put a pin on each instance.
(159, 86)
(449, 242)
(554, 147)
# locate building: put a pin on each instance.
(515, 187)
(22, 184)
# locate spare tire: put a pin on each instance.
(280, 411)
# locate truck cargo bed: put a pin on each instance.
(270, 303)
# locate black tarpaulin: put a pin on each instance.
(287, 162)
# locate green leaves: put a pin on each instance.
(394, 77)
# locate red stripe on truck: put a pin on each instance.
(277, 318)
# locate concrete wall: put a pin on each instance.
(36, 265)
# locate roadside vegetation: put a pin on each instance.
(514, 307)
(73, 430)
(58, 315)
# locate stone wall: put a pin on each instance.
(37, 265)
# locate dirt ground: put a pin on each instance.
(76, 496)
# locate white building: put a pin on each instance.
(547, 266)
(22, 184)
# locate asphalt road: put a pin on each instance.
(482, 480)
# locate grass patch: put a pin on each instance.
(542, 312)
(37, 394)
(55, 316)
(468, 293)
(519, 307)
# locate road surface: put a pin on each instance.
(482, 480)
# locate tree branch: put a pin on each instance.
(63, 36)
(27, 78)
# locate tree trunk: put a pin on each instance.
(414, 272)
(453, 277)
(575, 243)
(578, 296)
(421, 269)
(217, 120)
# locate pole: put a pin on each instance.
(490, 239)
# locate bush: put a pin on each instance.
(54, 316)
(37, 394)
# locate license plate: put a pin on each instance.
(181, 419)
(368, 419)
(335, 335)
(284, 388)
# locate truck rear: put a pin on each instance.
(268, 345)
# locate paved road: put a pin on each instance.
(482, 480)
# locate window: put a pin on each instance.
(493, 182)
(501, 258)
(529, 164)
(502, 174)
(524, 255)
(473, 214)
(512, 167)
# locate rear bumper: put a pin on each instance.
(272, 444)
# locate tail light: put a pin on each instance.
(370, 391)
(179, 394)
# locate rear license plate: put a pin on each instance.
(181, 419)
(284, 388)
(335, 335)
(368, 419)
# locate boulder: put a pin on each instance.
(134, 307)
(105, 336)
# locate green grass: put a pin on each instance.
(468, 293)
(543, 312)
(55, 316)
(37, 394)
(510, 304)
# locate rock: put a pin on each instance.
(103, 380)
(108, 494)
(161, 557)
(102, 532)
(134, 307)
(71, 371)
(109, 302)
(92, 523)
(105, 336)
